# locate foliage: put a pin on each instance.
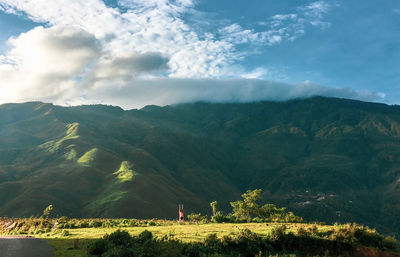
(193, 240)
(391, 243)
(214, 206)
(249, 206)
(221, 218)
(249, 209)
(125, 172)
(47, 211)
(86, 159)
(244, 243)
(41, 225)
(197, 217)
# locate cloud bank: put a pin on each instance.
(143, 52)
(166, 91)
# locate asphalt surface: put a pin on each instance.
(24, 247)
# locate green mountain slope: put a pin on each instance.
(326, 159)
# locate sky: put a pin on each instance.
(133, 53)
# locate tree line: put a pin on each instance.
(249, 209)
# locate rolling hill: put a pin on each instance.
(326, 159)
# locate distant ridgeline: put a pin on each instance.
(326, 159)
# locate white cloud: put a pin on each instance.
(171, 91)
(153, 26)
(144, 53)
(257, 73)
(280, 27)
(315, 13)
(45, 63)
(316, 9)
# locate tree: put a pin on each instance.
(47, 211)
(249, 206)
(196, 217)
(214, 206)
(271, 212)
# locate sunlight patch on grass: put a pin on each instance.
(87, 158)
(71, 155)
(125, 172)
(65, 247)
(108, 197)
(70, 134)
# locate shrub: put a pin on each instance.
(220, 218)
(151, 223)
(391, 243)
(119, 252)
(301, 232)
(119, 238)
(98, 247)
(257, 220)
(110, 223)
(278, 232)
(196, 217)
(84, 224)
(95, 224)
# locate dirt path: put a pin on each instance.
(24, 247)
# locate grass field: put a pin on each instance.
(63, 239)
(63, 242)
(64, 245)
(70, 237)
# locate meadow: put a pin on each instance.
(186, 232)
(71, 237)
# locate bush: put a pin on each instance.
(257, 220)
(95, 224)
(245, 243)
(196, 217)
(119, 238)
(110, 223)
(391, 243)
(278, 232)
(151, 223)
(98, 247)
(220, 218)
(119, 252)
(83, 224)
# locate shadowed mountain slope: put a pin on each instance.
(326, 159)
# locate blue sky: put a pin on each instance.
(137, 52)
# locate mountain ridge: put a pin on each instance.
(327, 159)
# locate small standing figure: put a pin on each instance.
(181, 216)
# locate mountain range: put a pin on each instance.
(326, 159)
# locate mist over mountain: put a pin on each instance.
(326, 159)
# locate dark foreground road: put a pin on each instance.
(24, 247)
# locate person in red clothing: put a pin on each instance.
(181, 216)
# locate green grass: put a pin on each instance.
(61, 233)
(71, 155)
(71, 133)
(189, 232)
(87, 158)
(62, 239)
(125, 172)
(109, 196)
(114, 191)
(64, 245)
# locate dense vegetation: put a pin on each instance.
(342, 241)
(248, 210)
(188, 239)
(325, 159)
